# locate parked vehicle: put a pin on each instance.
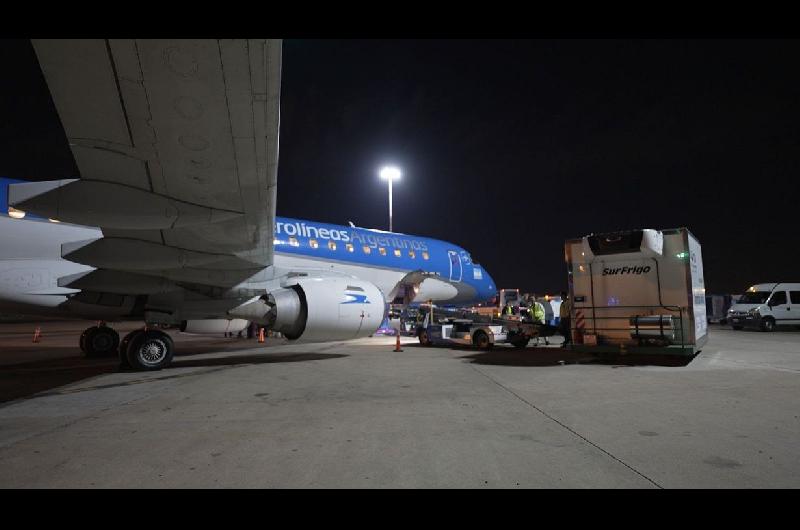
(765, 306)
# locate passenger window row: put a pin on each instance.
(313, 243)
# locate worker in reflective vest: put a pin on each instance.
(537, 310)
(537, 314)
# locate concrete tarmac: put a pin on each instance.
(358, 415)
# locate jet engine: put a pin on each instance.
(319, 309)
(215, 326)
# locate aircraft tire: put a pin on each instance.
(150, 350)
(99, 341)
(123, 349)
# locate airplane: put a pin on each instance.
(172, 220)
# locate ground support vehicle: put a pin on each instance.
(481, 332)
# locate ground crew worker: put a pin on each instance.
(536, 310)
(529, 302)
(564, 319)
(507, 309)
(537, 315)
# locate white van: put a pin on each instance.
(767, 305)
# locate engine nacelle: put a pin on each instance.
(215, 326)
(319, 309)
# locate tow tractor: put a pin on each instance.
(480, 332)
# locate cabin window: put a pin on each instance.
(382, 251)
(313, 243)
(294, 242)
(350, 247)
(425, 255)
(397, 252)
(332, 245)
(367, 250)
(412, 254)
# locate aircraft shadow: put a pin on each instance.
(27, 379)
(256, 358)
(545, 357)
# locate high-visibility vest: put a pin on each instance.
(538, 312)
(508, 310)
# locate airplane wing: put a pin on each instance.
(176, 142)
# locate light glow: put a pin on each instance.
(390, 173)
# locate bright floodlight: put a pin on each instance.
(390, 173)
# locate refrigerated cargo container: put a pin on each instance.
(639, 291)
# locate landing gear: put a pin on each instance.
(146, 349)
(99, 341)
(123, 349)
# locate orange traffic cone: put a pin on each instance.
(261, 335)
(397, 343)
(37, 335)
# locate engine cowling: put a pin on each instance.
(215, 326)
(319, 309)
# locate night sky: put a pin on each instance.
(510, 147)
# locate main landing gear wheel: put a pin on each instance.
(149, 350)
(99, 341)
(123, 349)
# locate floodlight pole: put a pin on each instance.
(390, 204)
